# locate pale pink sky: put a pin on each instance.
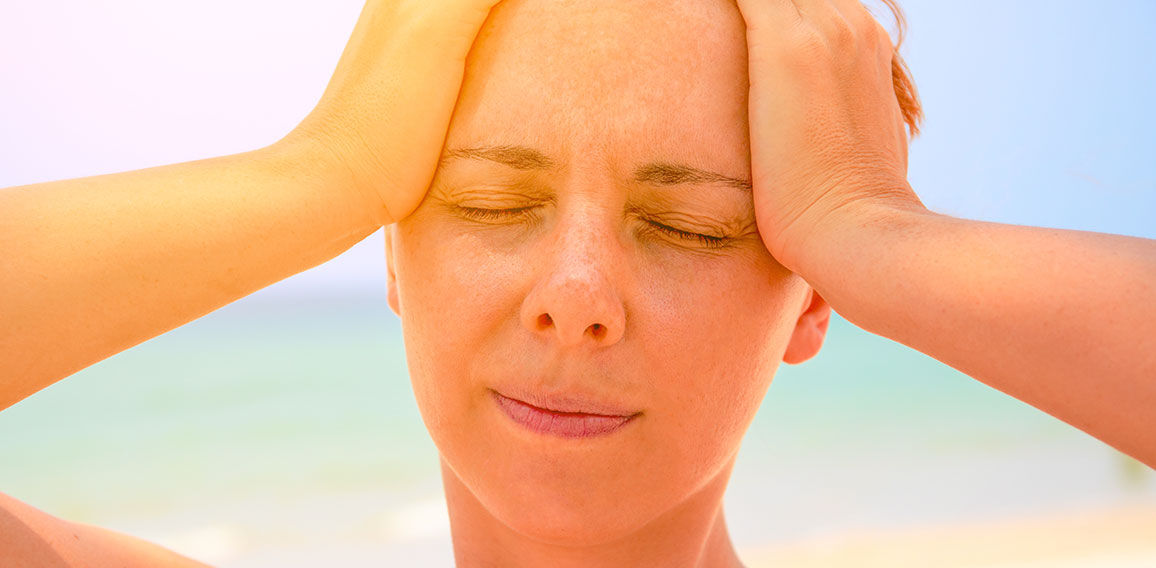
(97, 87)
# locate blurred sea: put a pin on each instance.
(283, 432)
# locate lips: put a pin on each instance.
(565, 418)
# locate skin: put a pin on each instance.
(1062, 320)
(1027, 311)
(29, 537)
(582, 291)
(94, 266)
(179, 241)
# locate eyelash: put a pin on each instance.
(483, 214)
(708, 241)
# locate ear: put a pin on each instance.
(810, 329)
(390, 263)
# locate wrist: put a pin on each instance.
(381, 123)
(310, 164)
(841, 236)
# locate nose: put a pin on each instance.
(575, 300)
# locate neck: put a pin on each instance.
(693, 534)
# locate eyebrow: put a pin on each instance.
(517, 157)
(657, 173)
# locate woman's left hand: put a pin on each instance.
(828, 137)
(1025, 310)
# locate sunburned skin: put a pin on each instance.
(590, 235)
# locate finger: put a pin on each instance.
(765, 16)
(817, 11)
(839, 22)
(834, 18)
(852, 10)
(861, 20)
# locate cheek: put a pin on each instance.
(714, 337)
(701, 341)
(456, 300)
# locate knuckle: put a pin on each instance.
(879, 33)
(843, 33)
(810, 43)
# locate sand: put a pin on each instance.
(1104, 538)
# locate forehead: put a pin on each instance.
(609, 80)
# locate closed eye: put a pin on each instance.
(709, 241)
(516, 214)
(494, 215)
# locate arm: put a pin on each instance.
(29, 537)
(90, 267)
(96, 265)
(1063, 320)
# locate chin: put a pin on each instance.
(567, 520)
(563, 506)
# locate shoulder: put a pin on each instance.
(31, 537)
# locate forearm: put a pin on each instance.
(93, 266)
(1063, 320)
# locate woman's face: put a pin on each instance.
(565, 255)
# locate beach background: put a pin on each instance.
(281, 430)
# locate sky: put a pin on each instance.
(1038, 112)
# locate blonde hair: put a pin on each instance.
(905, 90)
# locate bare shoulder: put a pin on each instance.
(30, 537)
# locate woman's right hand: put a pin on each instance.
(384, 116)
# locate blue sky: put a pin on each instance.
(1038, 112)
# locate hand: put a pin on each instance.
(384, 117)
(828, 137)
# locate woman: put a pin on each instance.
(579, 304)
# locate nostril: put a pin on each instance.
(545, 321)
(597, 330)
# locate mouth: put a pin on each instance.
(559, 423)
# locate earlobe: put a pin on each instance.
(810, 330)
(391, 282)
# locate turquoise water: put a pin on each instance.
(262, 398)
(273, 424)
